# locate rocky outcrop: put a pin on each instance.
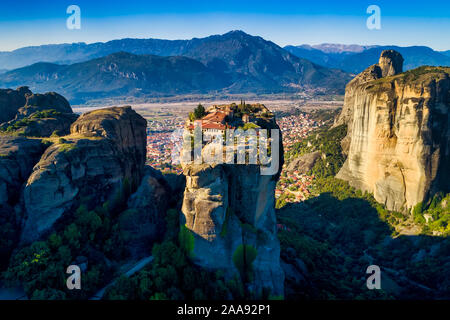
(36, 115)
(41, 124)
(231, 209)
(143, 222)
(124, 127)
(17, 158)
(398, 132)
(91, 164)
(390, 63)
(46, 101)
(18, 155)
(304, 163)
(11, 101)
(229, 222)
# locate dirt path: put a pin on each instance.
(135, 268)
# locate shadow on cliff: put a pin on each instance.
(336, 240)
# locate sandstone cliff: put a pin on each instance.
(50, 162)
(106, 147)
(18, 155)
(229, 222)
(144, 221)
(122, 126)
(11, 101)
(36, 115)
(398, 132)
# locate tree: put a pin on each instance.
(159, 296)
(199, 112)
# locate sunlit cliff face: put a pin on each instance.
(398, 135)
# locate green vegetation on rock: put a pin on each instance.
(327, 142)
(66, 147)
(249, 125)
(435, 219)
(186, 240)
(50, 113)
(243, 257)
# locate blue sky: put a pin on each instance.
(412, 22)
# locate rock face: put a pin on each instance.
(391, 63)
(18, 155)
(398, 132)
(229, 209)
(231, 206)
(304, 163)
(49, 100)
(143, 222)
(124, 127)
(50, 163)
(37, 115)
(11, 101)
(91, 164)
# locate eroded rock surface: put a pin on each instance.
(304, 163)
(143, 222)
(228, 206)
(398, 132)
(91, 164)
(18, 155)
(35, 115)
(391, 63)
(11, 101)
(230, 211)
(124, 127)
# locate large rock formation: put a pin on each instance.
(143, 222)
(11, 101)
(36, 115)
(124, 127)
(229, 211)
(51, 163)
(18, 155)
(49, 100)
(390, 63)
(106, 148)
(398, 132)
(17, 158)
(304, 163)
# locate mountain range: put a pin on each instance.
(355, 58)
(233, 63)
(118, 74)
(326, 54)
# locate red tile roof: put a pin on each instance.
(215, 117)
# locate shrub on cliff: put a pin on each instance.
(243, 257)
(186, 240)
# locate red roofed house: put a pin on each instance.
(213, 123)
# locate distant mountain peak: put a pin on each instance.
(236, 32)
(354, 58)
(340, 48)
